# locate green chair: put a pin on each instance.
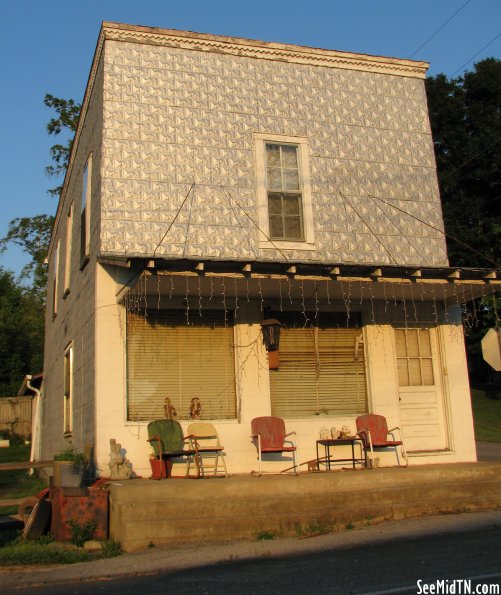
(168, 442)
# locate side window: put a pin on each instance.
(414, 357)
(67, 256)
(85, 211)
(55, 281)
(68, 390)
(285, 209)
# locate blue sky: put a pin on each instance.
(47, 47)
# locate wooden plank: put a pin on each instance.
(25, 465)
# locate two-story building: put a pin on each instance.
(217, 182)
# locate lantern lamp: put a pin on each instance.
(271, 334)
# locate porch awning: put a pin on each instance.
(160, 279)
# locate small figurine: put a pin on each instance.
(324, 433)
(195, 408)
(334, 433)
(169, 409)
(345, 432)
(120, 468)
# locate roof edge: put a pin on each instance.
(264, 50)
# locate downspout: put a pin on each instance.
(35, 423)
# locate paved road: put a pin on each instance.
(388, 558)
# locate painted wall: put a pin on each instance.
(74, 323)
(253, 391)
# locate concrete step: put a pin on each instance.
(181, 511)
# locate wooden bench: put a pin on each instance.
(25, 465)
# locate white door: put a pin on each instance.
(420, 389)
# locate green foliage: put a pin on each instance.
(77, 458)
(32, 234)
(40, 554)
(21, 333)
(265, 536)
(466, 126)
(18, 484)
(68, 113)
(486, 402)
(81, 533)
(110, 549)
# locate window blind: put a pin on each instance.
(169, 358)
(322, 366)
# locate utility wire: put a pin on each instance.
(369, 228)
(440, 28)
(253, 222)
(479, 52)
(174, 220)
(448, 235)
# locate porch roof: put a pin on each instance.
(315, 281)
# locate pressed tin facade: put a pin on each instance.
(191, 138)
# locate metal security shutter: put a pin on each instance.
(322, 370)
(166, 357)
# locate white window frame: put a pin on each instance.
(68, 250)
(68, 390)
(55, 282)
(308, 242)
(85, 211)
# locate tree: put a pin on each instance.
(33, 235)
(21, 333)
(465, 116)
(68, 113)
(22, 301)
(465, 119)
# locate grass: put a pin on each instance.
(486, 402)
(44, 551)
(17, 484)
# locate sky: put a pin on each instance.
(47, 46)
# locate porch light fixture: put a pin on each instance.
(271, 334)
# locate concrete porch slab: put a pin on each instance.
(175, 511)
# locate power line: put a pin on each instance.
(446, 234)
(440, 28)
(479, 52)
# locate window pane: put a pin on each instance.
(424, 342)
(274, 179)
(276, 229)
(291, 179)
(415, 372)
(289, 156)
(412, 342)
(401, 345)
(427, 367)
(403, 373)
(292, 227)
(275, 204)
(291, 205)
(273, 155)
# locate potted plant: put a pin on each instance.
(69, 467)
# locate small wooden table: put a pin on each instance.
(327, 443)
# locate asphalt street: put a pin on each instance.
(387, 558)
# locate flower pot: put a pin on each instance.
(65, 475)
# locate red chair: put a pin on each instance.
(374, 432)
(269, 432)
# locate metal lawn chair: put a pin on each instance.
(269, 435)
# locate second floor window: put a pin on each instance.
(85, 212)
(283, 184)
